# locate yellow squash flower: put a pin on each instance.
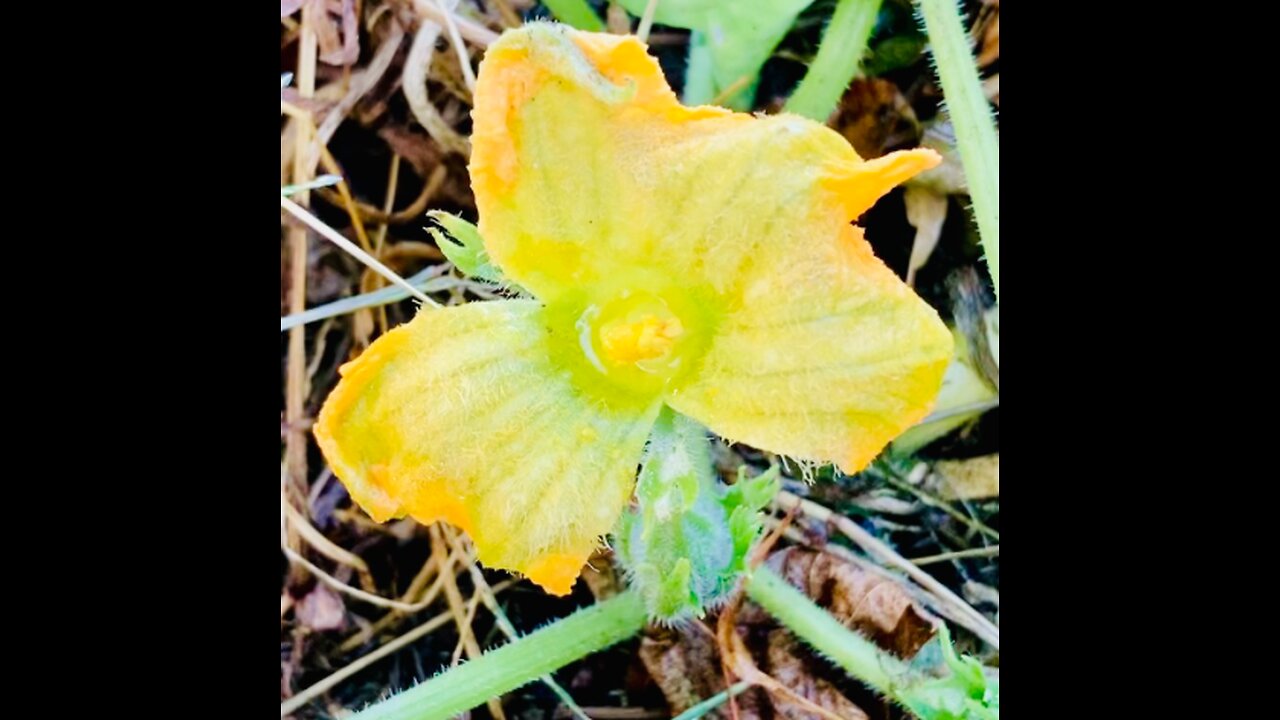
(689, 256)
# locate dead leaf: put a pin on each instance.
(601, 575)
(973, 479)
(991, 88)
(987, 31)
(289, 7)
(875, 118)
(416, 148)
(875, 606)
(320, 609)
(927, 213)
(947, 178)
(685, 663)
(788, 667)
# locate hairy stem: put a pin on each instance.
(857, 655)
(520, 662)
(971, 116)
(843, 44)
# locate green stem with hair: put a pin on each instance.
(844, 43)
(971, 116)
(518, 663)
(965, 694)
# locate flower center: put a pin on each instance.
(633, 341)
(629, 339)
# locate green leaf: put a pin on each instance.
(687, 543)
(967, 693)
(740, 36)
(461, 243)
(576, 13)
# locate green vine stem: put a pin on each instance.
(843, 44)
(971, 116)
(576, 13)
(859, 656)
(965, 694)
(522, 661)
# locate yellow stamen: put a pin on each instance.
(648, 338)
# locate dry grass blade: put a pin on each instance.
(887, 555)
(414, 594)
(471, 31)
(458, 609)
(992, 551)
(485, 593)
(361, 83)
(296, 391)
(464, 59)
(346, 589)
(412, 212)
(414, 86)
(336, 238)
(323, 686)
(326, 547)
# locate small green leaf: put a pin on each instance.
(461, 243)
(577, 13)
(895, 52)
(967, 693)
(739, 37)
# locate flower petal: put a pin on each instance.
(828, 359)
(585, 166)
(562, 124)
(460, 415)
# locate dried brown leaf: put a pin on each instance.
(875, 118)
(601, 575)
(685, 663)
(875, 606)
(972, 479)
(788, 666)
(336, 47)
(987, 31)
(321, 609)
(414, 147)
(927, 213)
